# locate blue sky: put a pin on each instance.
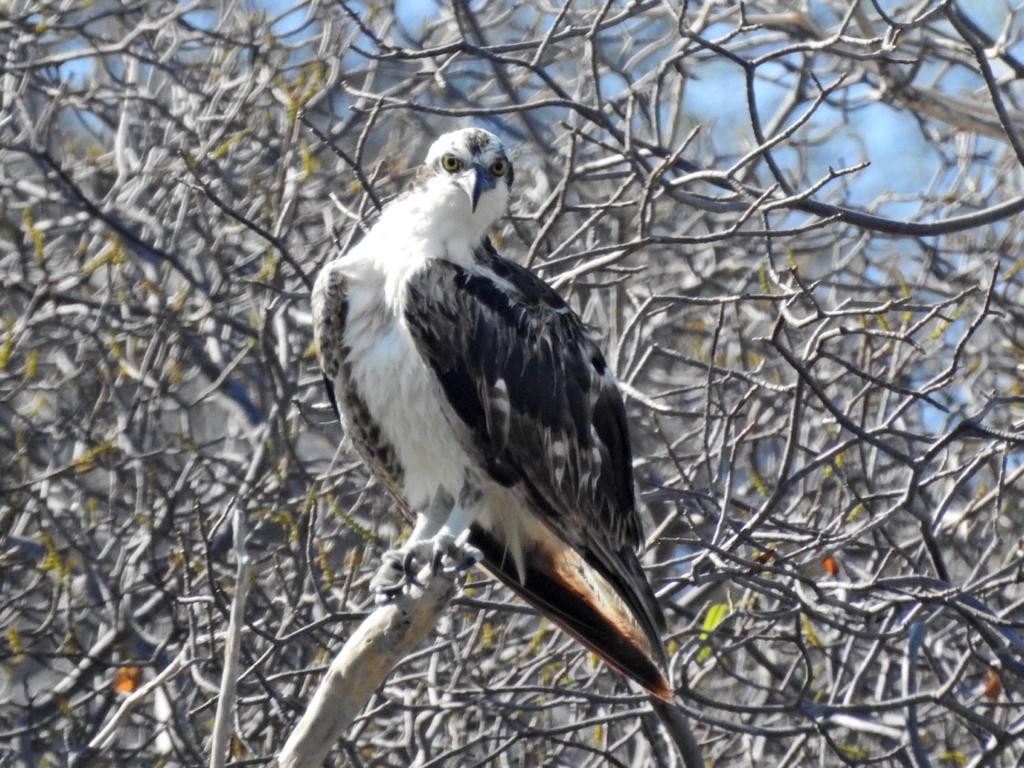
(902, 159)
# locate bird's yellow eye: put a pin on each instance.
(499, 167)
(451, 163)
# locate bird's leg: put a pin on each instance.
(440, 538)
(451, 547)
(398, 566)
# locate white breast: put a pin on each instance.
(400, 390)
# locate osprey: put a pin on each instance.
(475, 395)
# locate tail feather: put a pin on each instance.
(575, 596)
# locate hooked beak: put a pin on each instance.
(476, 181)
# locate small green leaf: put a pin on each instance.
(715, 615)
(809, 633)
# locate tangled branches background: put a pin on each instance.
(794, 227)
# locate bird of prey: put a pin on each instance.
(476, 396)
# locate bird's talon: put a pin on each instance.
(442, 546)
(452, 555)
(400, 568)
(470, 556)
(409, 566)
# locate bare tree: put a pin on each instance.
(795, 228)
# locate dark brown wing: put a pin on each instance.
(544, 412)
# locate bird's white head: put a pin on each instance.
(469, 173)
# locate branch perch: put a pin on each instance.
(381, 641)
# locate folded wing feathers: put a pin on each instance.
(518, 369)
